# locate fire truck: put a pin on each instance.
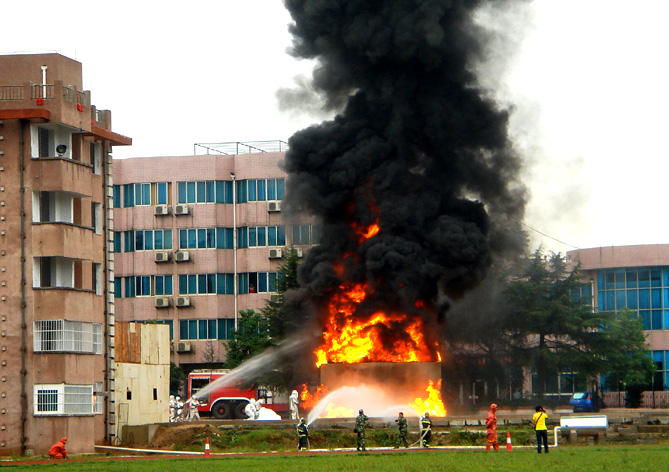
(228, 402)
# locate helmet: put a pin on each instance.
(427, 413)
(493, 406)
(293, 393)
(178, 398)
(171, 397)
(302, 420)
(360, 411)
(260, 402)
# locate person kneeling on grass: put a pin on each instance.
(58, 451)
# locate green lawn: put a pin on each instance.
(564, 459)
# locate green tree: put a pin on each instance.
(630, 363)
(281, 313)
(250, 338)
(177, 379)
(550, 328)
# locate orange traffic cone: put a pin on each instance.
(206, 449)
(509, 447)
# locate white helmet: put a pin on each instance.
(178, 398)
(171, 397)
(260, 402)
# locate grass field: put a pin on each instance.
(563, 459)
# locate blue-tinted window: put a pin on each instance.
(117, 241)
(241, 191)
(656, 298)
(656, 319)
(271, 189)
(610, 301)
(159, 239)
(252, 187)
(644, 278)
(117, 288)
(192, 284)
(202, 238)
(192, 238)
(183, 283)
(242, 238)
(167, 239)
(148, 240)
(190, 192)
(129, 287)
(632, 302)
(201, 192)
(620, 299)
(610, 280)
(656, 277)
(162, 193)
(146, 194)
(261, 191)
(620, 278)
(253, 242)
(271, 236)
(117, 196)
(280, 188)
(129, 195)
(645, 318)
(183, 239)
(280, 236)
(262, 238)
(644, 299)
(631, 278)
(211, 191)
(182, 196)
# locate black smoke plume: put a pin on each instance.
(416, 146)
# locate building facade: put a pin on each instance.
(56, 306)
(637, 278)
(197, 239)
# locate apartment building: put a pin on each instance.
(56, 310)
(199, 238)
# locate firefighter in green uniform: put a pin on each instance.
(426, 429)
(360, 425)
(302, 435)
(402, 438)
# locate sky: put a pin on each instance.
(585, 80)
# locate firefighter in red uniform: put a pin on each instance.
(491, 428)
(58, 451)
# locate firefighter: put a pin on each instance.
(58, 451)
(251, 409)
(491, 428)
(302, 435)
(293, 401)
(193, 413)
(360, 425)
(426, 429)
(402, 437)
(173, 409)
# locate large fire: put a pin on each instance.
(351, 340)
(351, 337)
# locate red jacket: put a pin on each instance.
(58, 451)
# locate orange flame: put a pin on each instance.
(307, 400)
(433, 404)
(348, 340)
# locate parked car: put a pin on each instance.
(585, 401)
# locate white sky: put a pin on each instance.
(588, 83)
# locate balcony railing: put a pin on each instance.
(41, 91)
(11, 92)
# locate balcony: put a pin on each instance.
(55, 173)
(66, 240)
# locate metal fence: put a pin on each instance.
(11, 92)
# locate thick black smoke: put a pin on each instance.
(416, 146)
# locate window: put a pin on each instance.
(261, 190)
(222, 328)
(96, 283)
(53, 272)
(64, 400)
(117, 246)
(148, 240)
(257, 282)
(53, 207)
(96, 217)
(96, 157)
(201, 238)
(260, 236)
(162, 193)
(163, 285)
(67, 336)
(117, 196)
(204, 191)
(206, 284)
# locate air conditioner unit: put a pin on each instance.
(184, 346)
(299, 252)
(182, 256)
(275, 253)
(161, 210)
(273, 206)
(183, 301)
(163, 302)
(182, 209)
(163, 256)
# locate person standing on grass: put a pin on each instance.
(402, 437)
(426, 429)
(360, 425)
(491, 428)
(302, 435)
(539, 422)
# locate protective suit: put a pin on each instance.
(426, 429)
(193, 405)
(302, 435)
(251, 410)
(293, 401)
(58, 451)
(173, 409)
(491, 428)
(259, 406)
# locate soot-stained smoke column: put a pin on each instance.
(416, 147)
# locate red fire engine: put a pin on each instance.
(228, 402)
